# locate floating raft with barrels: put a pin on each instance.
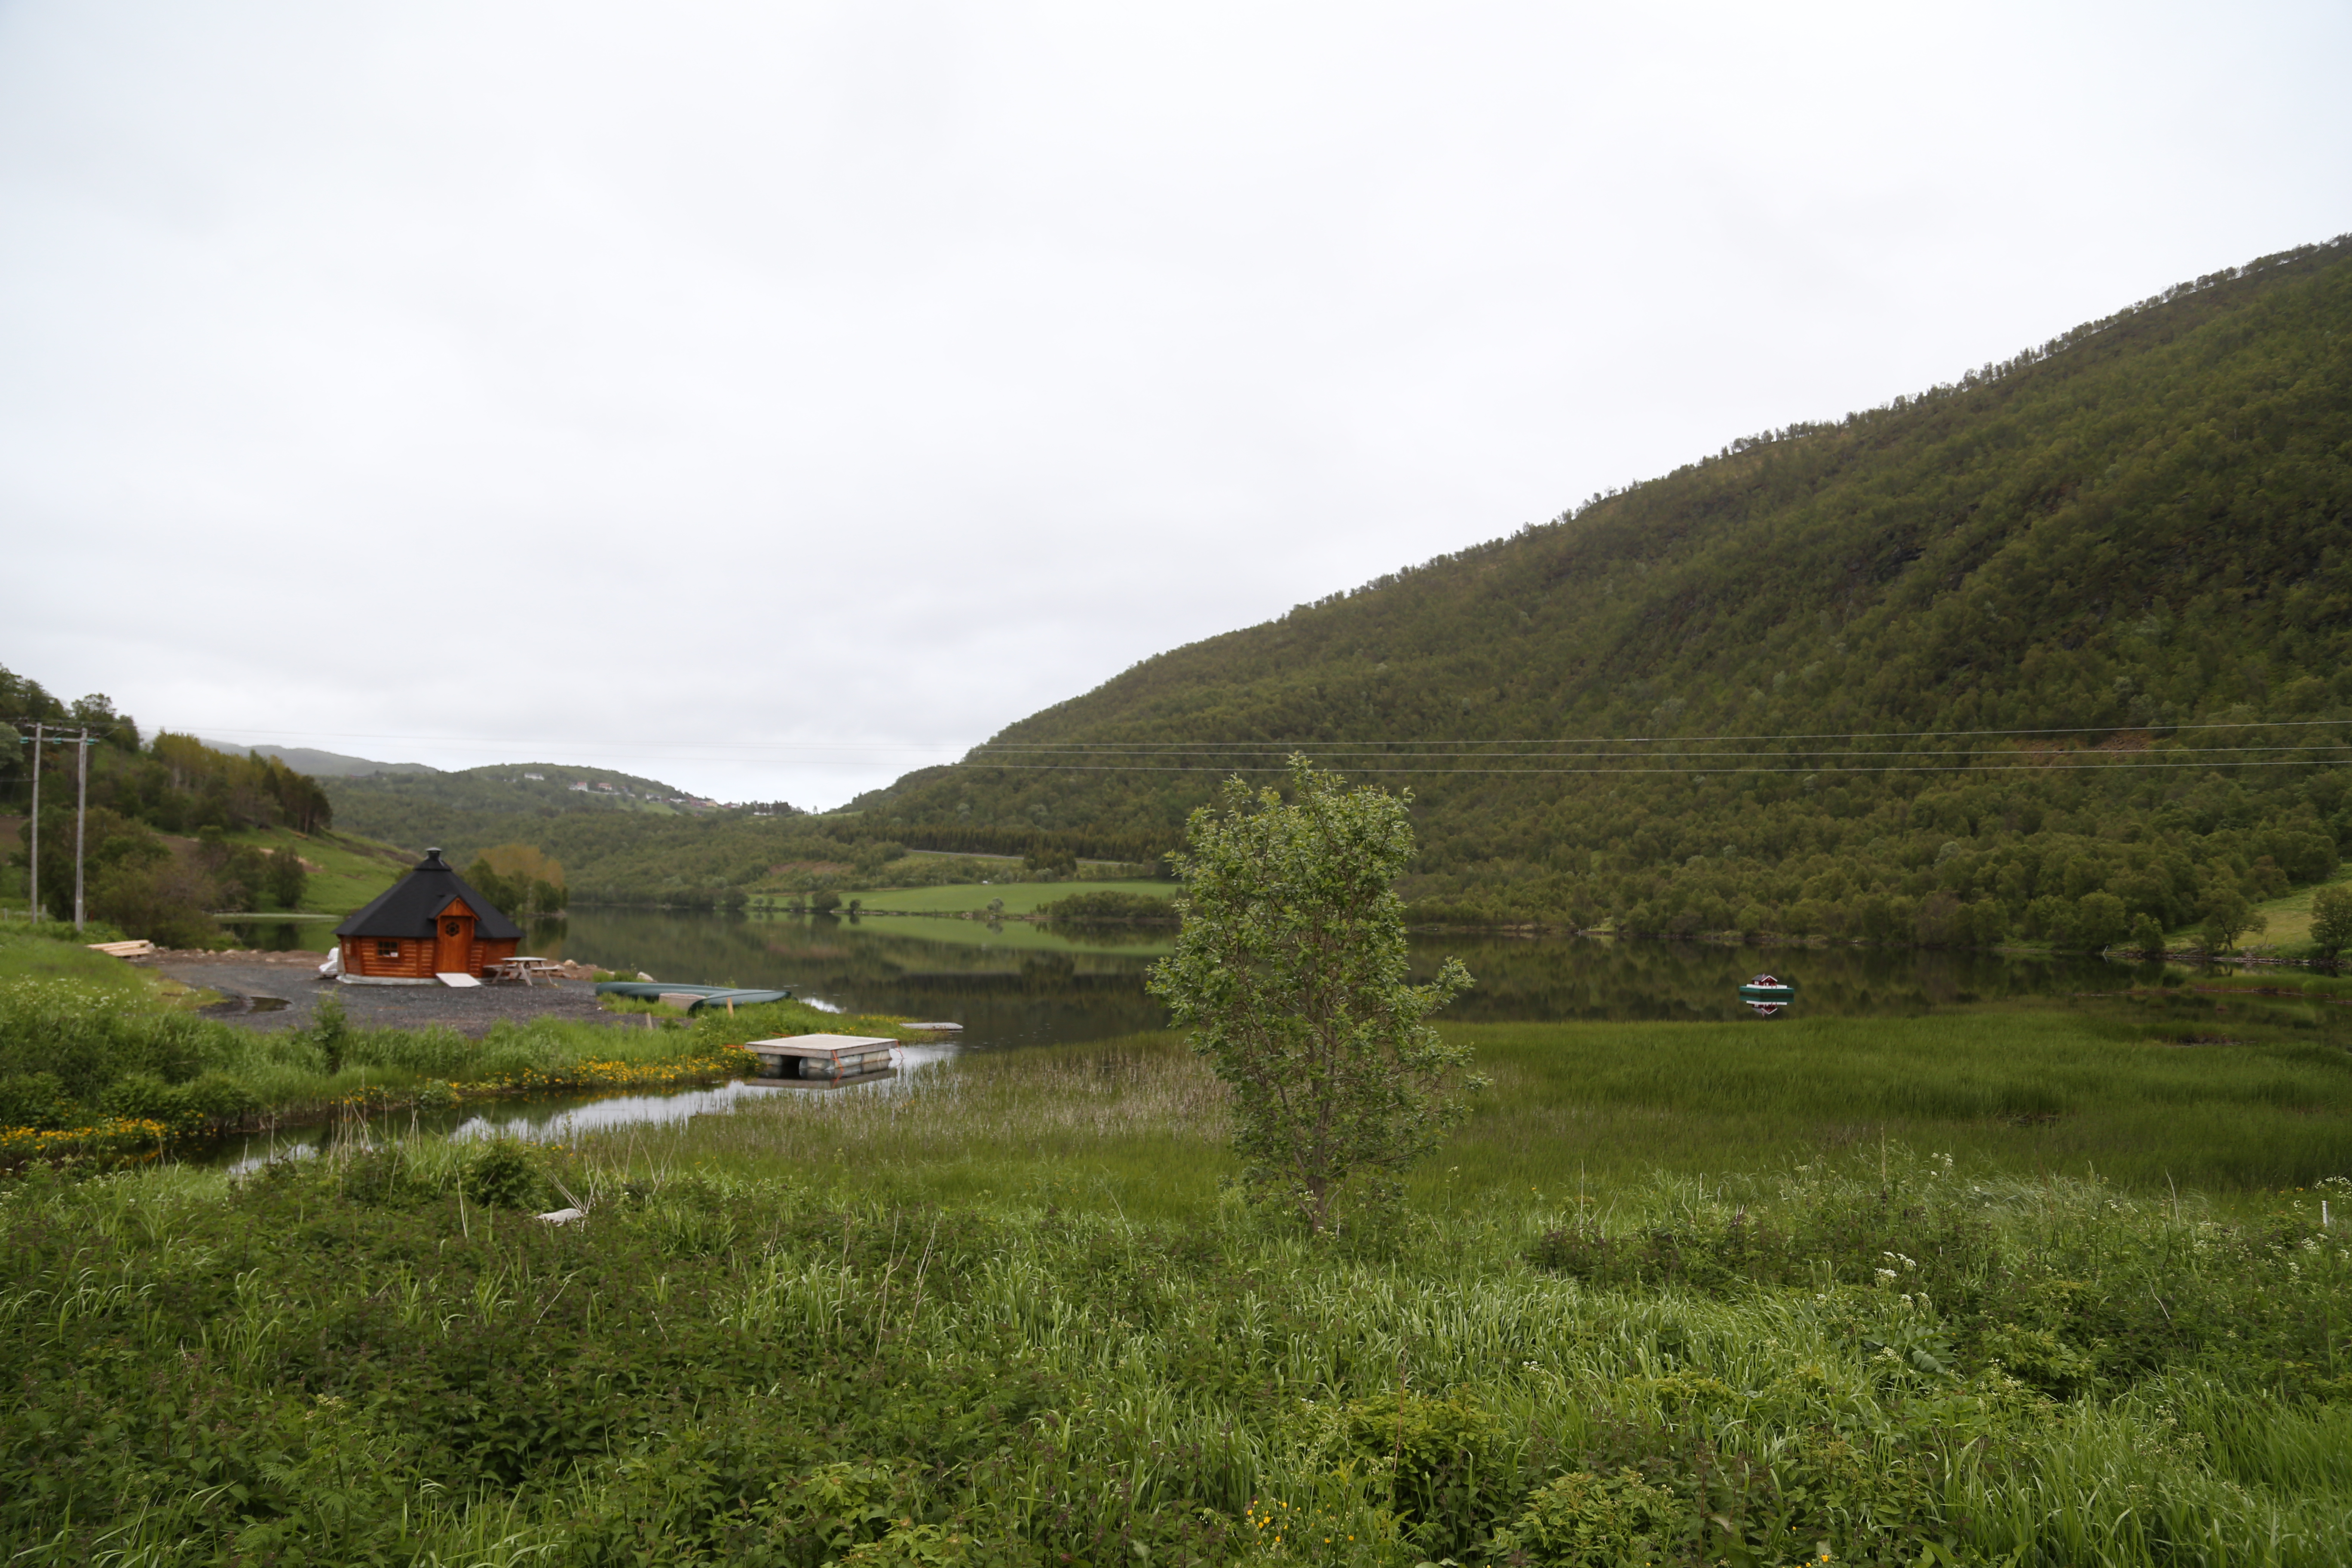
(822, 1058)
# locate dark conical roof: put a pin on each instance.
(410, 906)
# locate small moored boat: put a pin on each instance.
(1768, 994)
(693, 998)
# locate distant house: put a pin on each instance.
(582, 784)
(429, 923)
(536, 778)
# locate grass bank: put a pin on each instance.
(94, 1060)
(1019, 898)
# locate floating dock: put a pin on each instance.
(821, 1058)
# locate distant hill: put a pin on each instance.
(319, 764)
(499, 803)
(1932, 671)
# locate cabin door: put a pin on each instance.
(453, 941)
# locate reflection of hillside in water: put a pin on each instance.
(1598, 978)
(1021, 992)
(1031, 986)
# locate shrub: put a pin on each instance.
(1111, 904)
(1449, 1469)
(34, 1100)
(2331, 921)
(503, 1173)
(164, 902)
(1583, 1519)
(86, 1037)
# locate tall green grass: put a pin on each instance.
(2046, 1092)
(2054, 1090)
(73, 1048)
(371, 1360)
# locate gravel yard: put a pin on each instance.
(254, 982)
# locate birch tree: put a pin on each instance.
(1290, 972)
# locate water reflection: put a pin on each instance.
(1024, 985)
(558, 1118)
(1031, 984)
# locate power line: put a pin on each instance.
(1322, 752)
(2098, 763)
(1195, 744)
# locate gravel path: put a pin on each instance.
(255, 983)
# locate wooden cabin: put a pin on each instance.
(429, 922)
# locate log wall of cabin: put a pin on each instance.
(414, 961)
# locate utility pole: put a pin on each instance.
(36, 879)
(81, 814)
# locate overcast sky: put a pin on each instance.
(772, 397)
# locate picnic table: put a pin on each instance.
(524, 968)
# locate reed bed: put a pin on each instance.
(1141, 1120)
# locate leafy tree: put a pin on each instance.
(239, 871)
(1052, 861)
(166, 901)
(2331, 921)
(2147, 937)
(2101, 921)
(286, 878)
(2227, 917)
(1290, 971)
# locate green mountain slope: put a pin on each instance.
(506, 801)
(2143, 526)
(316, 763)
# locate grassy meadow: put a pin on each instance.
(2106, 1095)
(2016, 1285)
(2286, 921)
(345, 872)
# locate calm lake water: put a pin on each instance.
(1019, 985)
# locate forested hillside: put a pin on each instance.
(139, 792)
(489, 804)
(2049, 651)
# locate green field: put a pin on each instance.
(2286, 921)
(1020, 897)
(2016, 1285)
(2041, 1093)
(354, 870)
(1027, 936)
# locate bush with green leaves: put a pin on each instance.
(2331, 921)
(503, 1173)
(1108, 904)
(1585, 1520)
